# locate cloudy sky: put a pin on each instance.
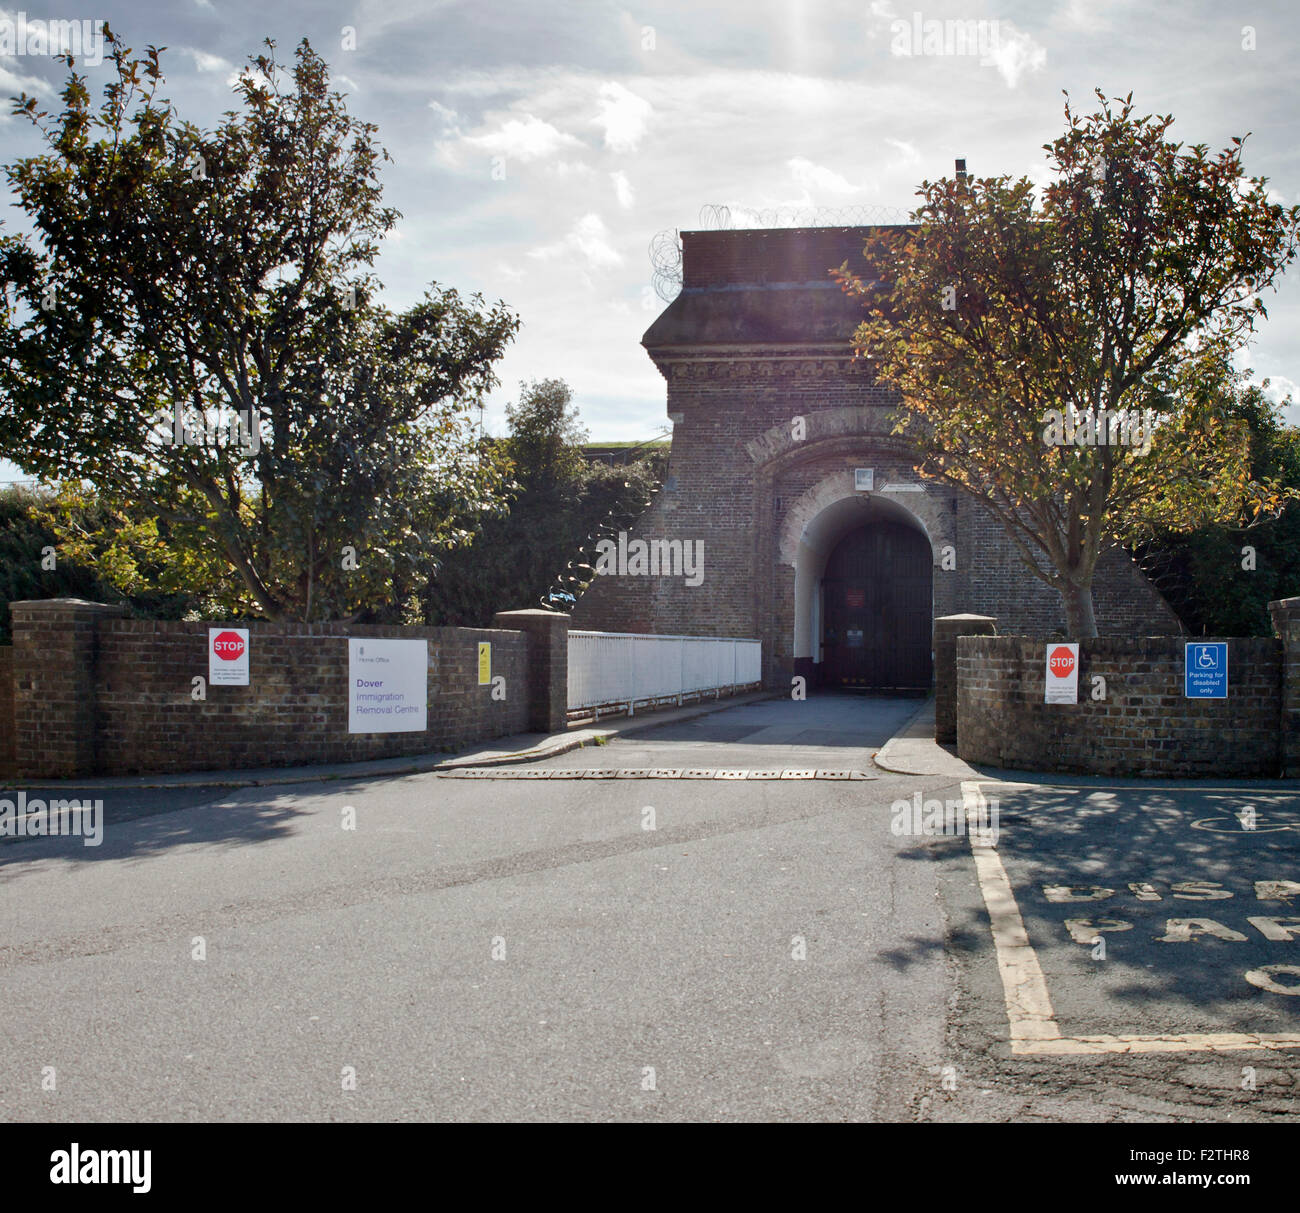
(540, 146)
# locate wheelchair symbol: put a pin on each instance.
(1207, 658)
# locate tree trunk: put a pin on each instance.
(1080, 622)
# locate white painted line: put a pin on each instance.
(1029, 1009)
(1034, 1030)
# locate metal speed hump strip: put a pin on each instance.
(644, 773)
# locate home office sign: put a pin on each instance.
(388, 686)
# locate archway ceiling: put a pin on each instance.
(834, 522)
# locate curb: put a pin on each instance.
(881, 757)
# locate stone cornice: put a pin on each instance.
(729, 363)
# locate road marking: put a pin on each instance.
(1032, 1020)
(1202, 1042)
(723, 773)
(1029, 1009)
(1231, 825)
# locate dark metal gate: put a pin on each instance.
(876, 631)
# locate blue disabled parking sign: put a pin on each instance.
(1205, 671)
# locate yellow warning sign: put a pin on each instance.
(484, 663)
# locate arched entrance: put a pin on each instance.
(875, 609)
(880, 585)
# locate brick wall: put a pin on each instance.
(295, 708)
(784, 255)
(946, 631)
(99, 694)
(1285, 614)
(7, 767)
(54, 652)
(1144, 726)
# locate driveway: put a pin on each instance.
(715, 942)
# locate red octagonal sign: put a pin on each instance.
(1061, 662)
(229, 646)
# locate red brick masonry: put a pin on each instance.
(1144, 725)
(94, 693)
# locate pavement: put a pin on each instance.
(777, 910)
(912, 750)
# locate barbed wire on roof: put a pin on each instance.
(666, 247)
(666, 265)
(725, 217)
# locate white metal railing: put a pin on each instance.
(615, 671)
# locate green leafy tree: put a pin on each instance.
(35, 562)
(558, 501)
(1123, 295)
(192, 334)
(1220, 578)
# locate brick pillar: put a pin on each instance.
(7, 767)
(548, 665)
(54, 651)
(1285, 614)
(946, 630)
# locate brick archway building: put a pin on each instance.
(773, 421)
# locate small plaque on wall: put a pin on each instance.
(864, 479)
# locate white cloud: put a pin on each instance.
(623, 190)
(1087, 15)
(448, 117)
(623, 117)
(1016, 53)
(589, 239)
(11, 84)
(563, 169)
(527, 140)
(879, 14)
(906, 150)
(815, 177)
(1280, 387)
(206, 62)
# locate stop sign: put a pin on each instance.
(229, 646)
(1061, 662)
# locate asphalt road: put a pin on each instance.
(630, 949)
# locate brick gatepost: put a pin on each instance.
(946, 630)
(1285, 614)
(548, 665)
(7, 768)
(54, 653)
